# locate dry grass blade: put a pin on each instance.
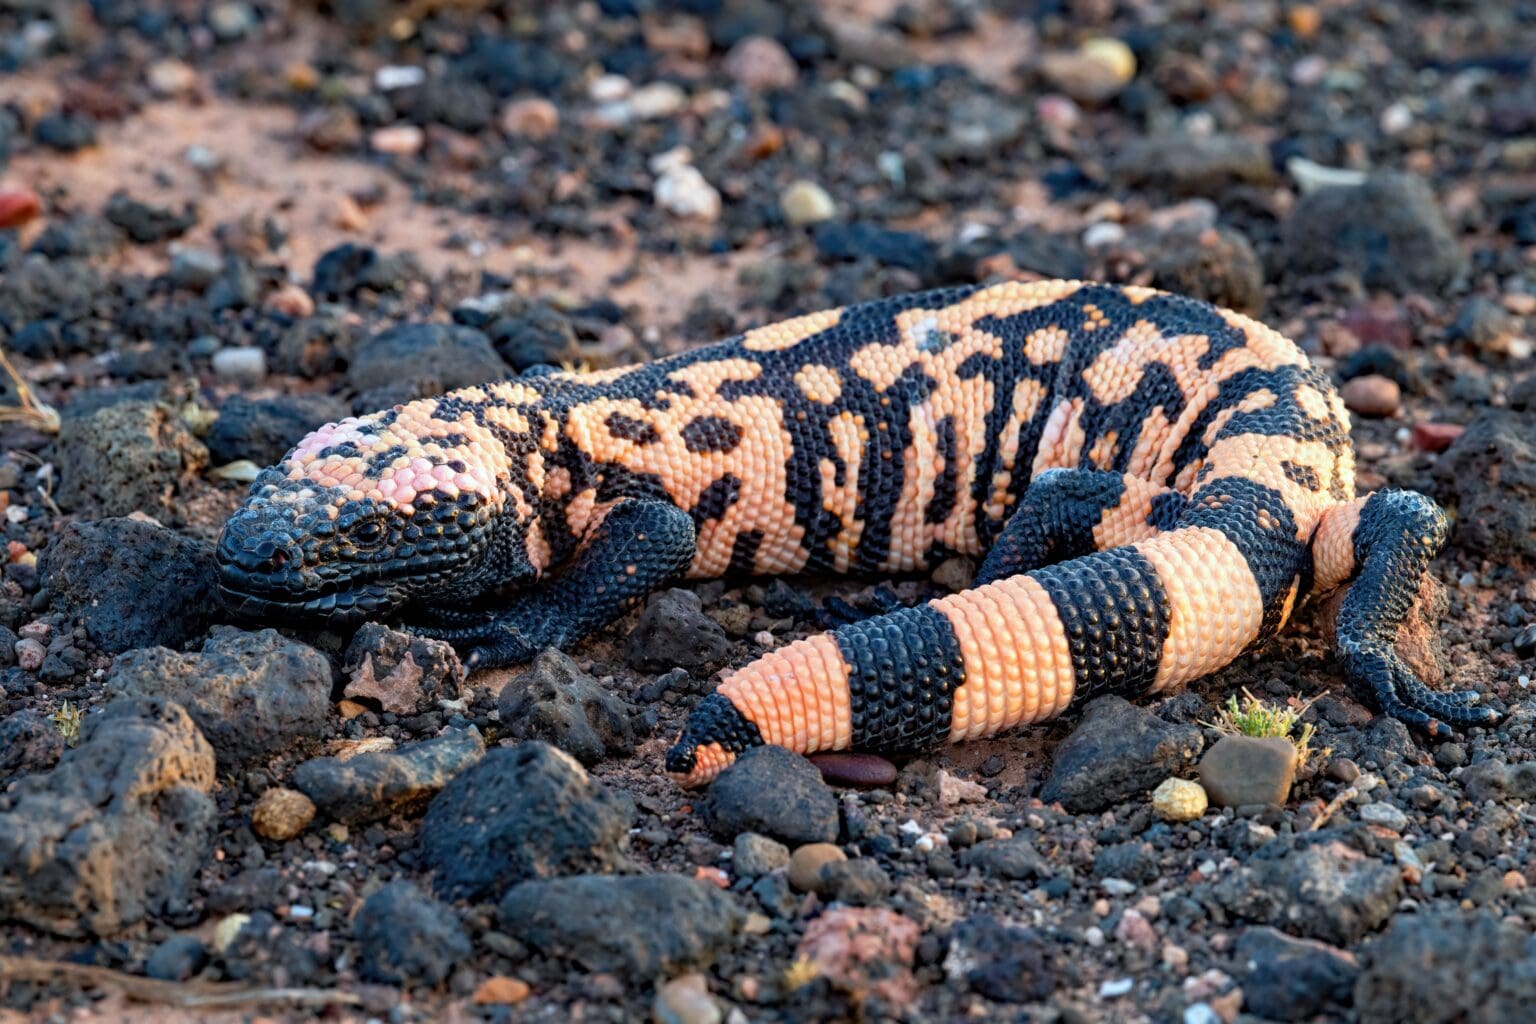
(169, 993)
(29, 410)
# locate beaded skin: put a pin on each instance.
(1153, 484)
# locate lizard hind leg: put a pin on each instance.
(1391, 537)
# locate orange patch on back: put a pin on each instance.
(789, 333)
(820, 384)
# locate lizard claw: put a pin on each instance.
(1387, 684)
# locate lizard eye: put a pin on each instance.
(368, 532)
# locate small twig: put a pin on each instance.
(1340, 798)
(29, 409)
(149, 990)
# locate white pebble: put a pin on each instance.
(1094, 936)
(805, 202)
(299, 912)
(203, 159)
(924, 844)
(241, 363)
(1116, 988)
(608, 89)
(1524, 682)
(910, 828)
(1201, 1013)
(682, 191)
(1118, 886)
(659, 99)
(1311, 175)
(1396, 119)
(1102, 234)
(398, 76)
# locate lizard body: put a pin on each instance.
(1155, 484)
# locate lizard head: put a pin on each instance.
(369, 514)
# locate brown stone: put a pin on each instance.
(1372, 395)
(1436, 437)
(855, 771)
(501, 991)
(1241, 770)
(281, 814)
(805, 864)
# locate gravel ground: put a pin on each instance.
(223, 224)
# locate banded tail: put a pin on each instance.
(1145, 617)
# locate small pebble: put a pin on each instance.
(1372, 395)
(167, 78)
(805, 864)
(760, 64)
(1384, 814)
(241, 364)
(1201, 1013)
(501, 991)
(17, 206)
(1116, 988)
(291, 300)
(609, 89)
(856, 771)
(1179, 800)
(1525, 641)
(30, 654)
(657, 100)
(398, 76)
(227, 929)
(1104, 233)
(530, 118)
(281, 814)
(398, 140)
(806, 202)
(682, 191)
(686, 1000)
(1435, 437)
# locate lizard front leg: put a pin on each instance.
(638, 546)
(1068, 513)
(1385, 542)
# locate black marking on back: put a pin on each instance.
(346, 449)
(627, 428)
(744, 551)
(946, 488)
(903, 671)
(615, 481)
(1302, 476)
(379, 464)
(711, 434)
(716, 498)
(1284, 418)
(1116, 616)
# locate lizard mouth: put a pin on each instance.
(344, 607)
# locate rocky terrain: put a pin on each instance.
(223, 224)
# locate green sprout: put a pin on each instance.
(1253, 717)
(67, 720)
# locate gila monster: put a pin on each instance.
(1152, 483)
